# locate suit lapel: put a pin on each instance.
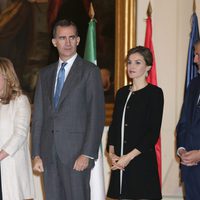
(71, 80)
(51, 82)
(194, 104)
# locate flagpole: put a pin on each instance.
(191, 70)
(152, 78)
(97, 174)
(149, 10)
(194, 6)
(91, 11)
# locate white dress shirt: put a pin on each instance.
(67, 67)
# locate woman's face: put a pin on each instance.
(2, 82)
(136, 66)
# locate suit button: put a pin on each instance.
(52, 131)
(127, 107)
(125, 141)
(125, 124)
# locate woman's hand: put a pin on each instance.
(122, 162)
(114, 158)
(3, 154)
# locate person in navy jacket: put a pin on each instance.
(188, 135)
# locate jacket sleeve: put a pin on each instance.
(95, 113)
(113, 126)
(182, 123)
(150, 138)
(21, 126)
(37, 119)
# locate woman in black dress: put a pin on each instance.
(134, 131)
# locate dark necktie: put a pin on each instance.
(60, 83)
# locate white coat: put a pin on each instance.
(16, 170)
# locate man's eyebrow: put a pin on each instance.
(64, 36)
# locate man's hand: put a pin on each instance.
(190, 158)
(181, 152)
(38, 164)
(81, 163)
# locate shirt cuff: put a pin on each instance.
(177, 152)
(88, 157)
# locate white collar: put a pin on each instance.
(69, 61)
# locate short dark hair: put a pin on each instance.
(144, 52)
(64, 23)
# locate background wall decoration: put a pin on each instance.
(25, 36)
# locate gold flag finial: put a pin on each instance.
(194, 6)
(149, 9)
(91, 11)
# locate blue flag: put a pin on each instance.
(194, 36)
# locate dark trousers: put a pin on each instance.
(192, 189)
(191, 178)
(63, 183)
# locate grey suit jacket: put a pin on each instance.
(76, 126)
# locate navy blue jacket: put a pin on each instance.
(188, 128)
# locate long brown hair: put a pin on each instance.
(11, 88)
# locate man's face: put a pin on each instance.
(197, 55)
(66, 41)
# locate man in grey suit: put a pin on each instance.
(68, 119)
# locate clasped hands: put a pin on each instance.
(189, 158)
(119, 162)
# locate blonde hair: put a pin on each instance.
(11, 88)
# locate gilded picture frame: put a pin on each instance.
(125, 38)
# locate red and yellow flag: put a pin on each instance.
(152, 78)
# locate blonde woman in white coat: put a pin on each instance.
(15, 112)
